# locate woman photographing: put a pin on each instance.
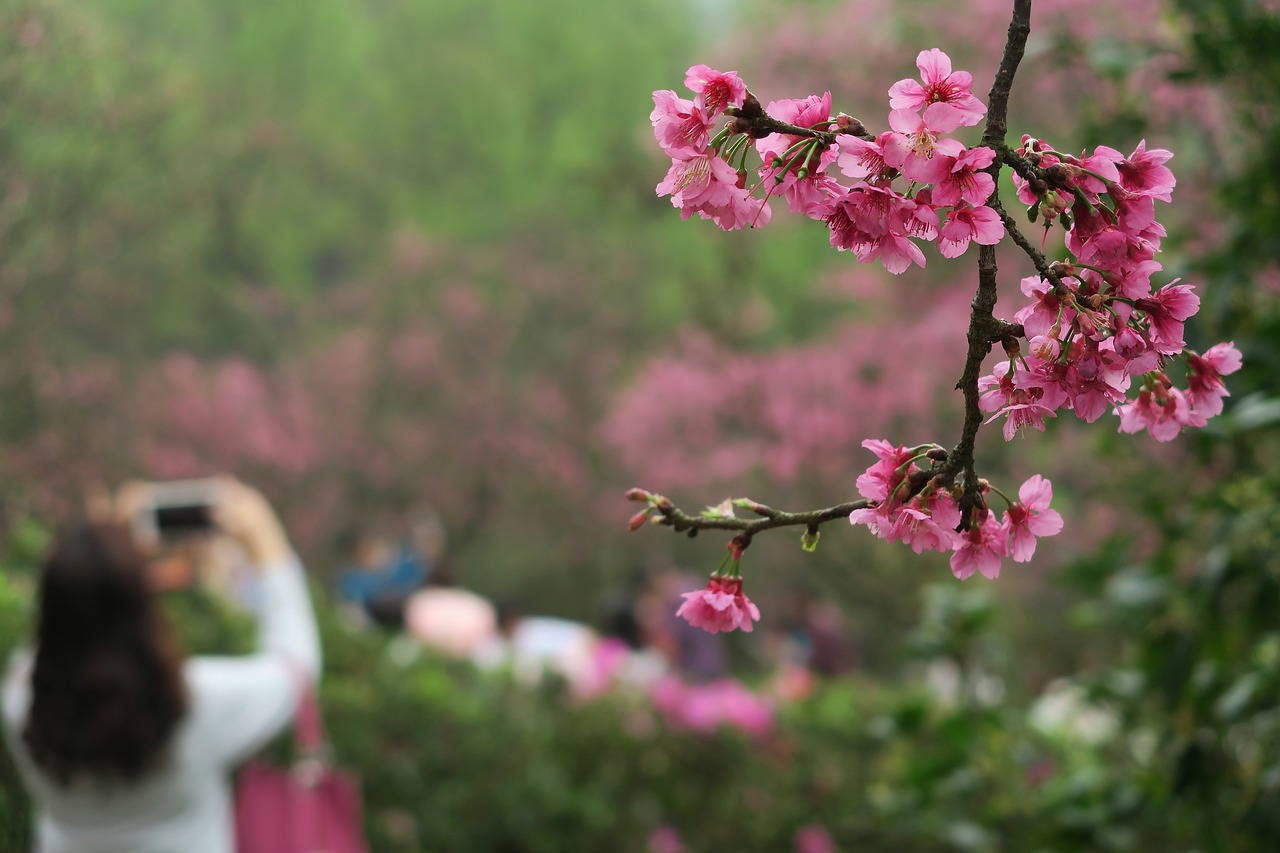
(125, 745)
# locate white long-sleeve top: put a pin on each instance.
(237, 705)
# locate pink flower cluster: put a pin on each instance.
(721, 606)
(1106, 324)
(706, 707)
(909, 508)
(946, 192)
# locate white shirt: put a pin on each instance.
(539, 644)
(237, 705)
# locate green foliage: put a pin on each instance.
(456, 760)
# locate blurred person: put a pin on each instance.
(379, 576)
(123, 744)
(451, 620)
(535, 645)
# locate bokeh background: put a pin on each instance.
(379, 254)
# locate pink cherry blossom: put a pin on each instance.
(1023, 396)
(874, 222)
(719, 89)
(722, 606)
(860, 158)
(1144, 172)
(1102, 163)
(1045, 311)
(913, 145)
(941, 86)
(881, 520)
(707, 185)
(981, 225)
(928, 531)
(801, 112)
(1093, 383)
(879, 481)
(965, 181)
(980, 549)
(810, 196)
(1204, 376)
(1168, 309)
(1162, 411)
(681, 126)
(1030, 518)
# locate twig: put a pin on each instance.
(1037, 256)
(754, 122)
(680, 520)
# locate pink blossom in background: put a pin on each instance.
(201, 419)
(666, 839)
(814, 838)
(700, 412)
(704, 708)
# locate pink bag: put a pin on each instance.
(307, 808)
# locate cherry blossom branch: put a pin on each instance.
(668, 514)
(752, 120)
(983, 326)
(984, 330)
(1096, 319)
(1038, 258)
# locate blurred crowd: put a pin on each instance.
(394, 576)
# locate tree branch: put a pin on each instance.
(1037, 257)
(752, 120)
(983, 327)
(679, 520)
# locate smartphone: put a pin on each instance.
(178, 508)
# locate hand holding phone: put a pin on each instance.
(244, 515)
(168, 511)
(177, 510)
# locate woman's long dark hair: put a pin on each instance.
(107, 688)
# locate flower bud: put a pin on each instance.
(637, 495)
(637, 521)
(849, 124)
(1060, 173)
